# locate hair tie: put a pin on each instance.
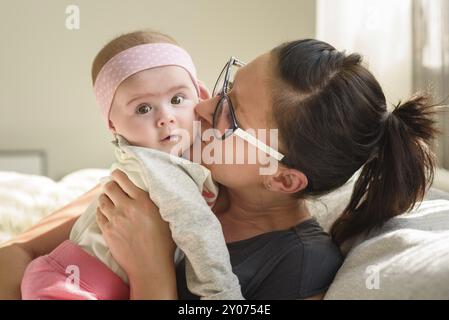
(385, 116)
(375, 152)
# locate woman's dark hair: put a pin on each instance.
(333, 119)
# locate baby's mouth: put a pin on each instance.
(171, 138)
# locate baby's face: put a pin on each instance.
(154, 108)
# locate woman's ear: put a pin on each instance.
(287, 180)
(204, 92)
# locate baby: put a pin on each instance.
(147, 93)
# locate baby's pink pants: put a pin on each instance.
(70, 273)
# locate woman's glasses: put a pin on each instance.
(224, 120)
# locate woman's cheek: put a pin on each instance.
(234, 163)
(242, 152)
(226, 175)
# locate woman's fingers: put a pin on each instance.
(116, 194)
(127, 185)
(102, 221)
(105, 205)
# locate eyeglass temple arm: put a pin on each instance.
(258, 144)
(237, 62)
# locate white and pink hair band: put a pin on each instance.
(133, 60)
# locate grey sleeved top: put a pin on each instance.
(290, 264)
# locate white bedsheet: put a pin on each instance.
(407, 259)
(25, 199)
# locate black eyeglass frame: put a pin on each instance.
(233, 61)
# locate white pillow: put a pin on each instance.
(408, 258)
(326, 209)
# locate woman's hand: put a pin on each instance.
(139, 240)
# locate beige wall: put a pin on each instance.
(380, 30)
(46, 100)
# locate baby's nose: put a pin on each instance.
(165, 118)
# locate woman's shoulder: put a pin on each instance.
(305, 236)
(317, 257)
(315, 242)
(289, 264)
(321, 258)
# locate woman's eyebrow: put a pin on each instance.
(234, 93)
(234, 97)
(234, 100)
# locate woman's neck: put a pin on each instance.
(251, 213)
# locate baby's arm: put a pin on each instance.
(173, 184)
(195, 228)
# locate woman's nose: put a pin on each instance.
(206, 108)
(165, 117)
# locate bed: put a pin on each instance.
(406, 259)
(27, 198)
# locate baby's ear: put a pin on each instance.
(111, 127)
(204, 92)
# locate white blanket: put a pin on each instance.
(408, 258)
(26, 199)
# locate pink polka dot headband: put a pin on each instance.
(133, 60)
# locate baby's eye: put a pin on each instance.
(143, 109)
(177, 99)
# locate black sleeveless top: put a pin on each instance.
(290, 264)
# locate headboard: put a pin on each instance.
(24, 161)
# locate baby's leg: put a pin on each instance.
(70, 273)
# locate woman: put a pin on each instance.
(332, 119)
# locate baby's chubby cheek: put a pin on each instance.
(192, 147)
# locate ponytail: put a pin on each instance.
(396, 174)
(332, 119)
